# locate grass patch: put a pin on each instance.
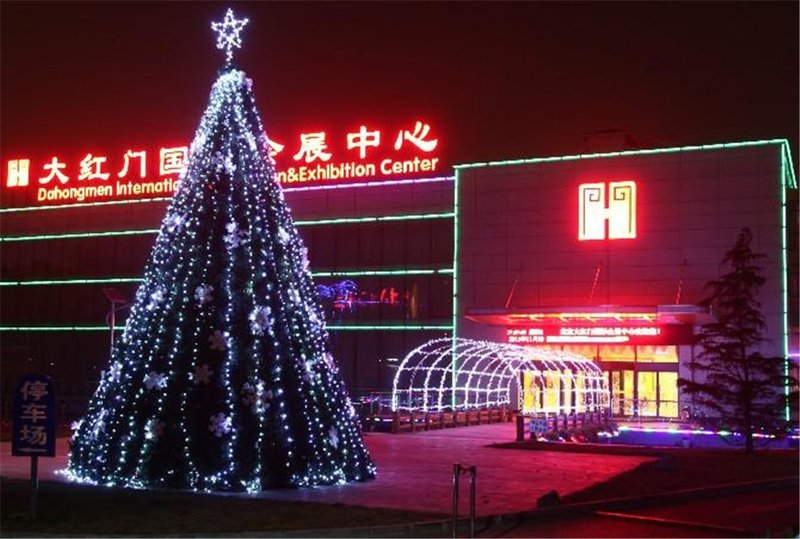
(65, 508)
(693, 468)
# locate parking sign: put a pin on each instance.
(34, 430)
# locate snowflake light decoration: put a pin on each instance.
(309, 374)
(219, 340)
(155, 380)
(333, 437)
(294, 295)
(260, 319)
(204, 294)
(229, 34)
(99, 424)
(176, 222)
(283, 236)
(219, 424)
(235, 237)
(114, 372)
(155, 298)
(75, 426)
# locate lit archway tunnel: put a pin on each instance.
(464, 374)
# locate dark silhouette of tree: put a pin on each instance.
(733, 379)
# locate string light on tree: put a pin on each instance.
(224, 377)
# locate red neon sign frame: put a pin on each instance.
(607, 210)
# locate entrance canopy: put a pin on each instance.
(464, 374)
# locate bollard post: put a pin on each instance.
(473, 472)
(34, 483)
(456, 473)
(458, 469)
(520, 428)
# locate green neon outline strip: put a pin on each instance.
(51, 282)
(388, 327)
(792, 180)
(785, 282)
(382, 273)
(287, 190)
(397, 327)
(454, 322)
(378, 219)
(343, 220)
(624, 153)
(86, 204)
(76, 235)
(343, 273)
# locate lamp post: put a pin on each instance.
(115, 297)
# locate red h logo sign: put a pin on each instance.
(620, 213)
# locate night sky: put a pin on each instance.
(495, 80)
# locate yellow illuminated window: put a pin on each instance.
(657, 354)
(668, 394)
(648, 394)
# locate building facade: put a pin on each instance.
(609, 255)
(605, 255)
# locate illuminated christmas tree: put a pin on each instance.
(223, 378)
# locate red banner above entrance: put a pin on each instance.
(600, 334)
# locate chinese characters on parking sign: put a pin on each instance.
(365, 152)
(34, 417)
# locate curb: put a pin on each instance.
(599, 448)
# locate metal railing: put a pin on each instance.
(645, 408)
(459, 469)
(538, 425)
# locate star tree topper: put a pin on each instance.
(228, 34)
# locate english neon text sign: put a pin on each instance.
(613, 203)
(316, 157)
(365, 155)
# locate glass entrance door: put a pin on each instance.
(622, 392)
(656, 393)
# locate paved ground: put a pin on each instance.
(415, 472)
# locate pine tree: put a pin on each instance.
(734, 380)
(223, 378)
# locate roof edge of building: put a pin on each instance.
(791, 183)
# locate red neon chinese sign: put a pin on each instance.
(623, 334)
(619, 211)
(318, 156)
